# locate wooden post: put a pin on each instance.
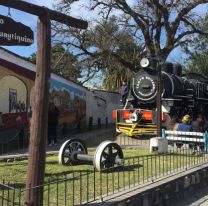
(159, 101)
(38, 129)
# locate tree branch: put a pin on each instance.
(185, 11)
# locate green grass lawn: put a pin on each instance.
(16, 171)
(80, 183)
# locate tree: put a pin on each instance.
(104, 47)
(197, 52)
(163, 24)
(148, 27)
(63, 63)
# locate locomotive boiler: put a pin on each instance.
(180, 93)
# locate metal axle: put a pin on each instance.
(107, 154)
(84, 157)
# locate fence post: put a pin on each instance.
(90, 123)
(163, 134)
(106, 122)
(99, 123)
(206, 142)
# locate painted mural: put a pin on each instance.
(70, 101)
(13, 95)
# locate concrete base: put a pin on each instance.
(159, 144)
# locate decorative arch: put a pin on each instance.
(32, 97)
(13, 94)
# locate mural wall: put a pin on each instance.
(13, 95)
(70, 100)
(75, 102)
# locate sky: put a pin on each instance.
(29, 20)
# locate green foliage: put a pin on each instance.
(197, 52)
(63, 63)
(116, 53)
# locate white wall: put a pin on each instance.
(100, 105)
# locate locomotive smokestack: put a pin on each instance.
(177, 69)
(167, 67)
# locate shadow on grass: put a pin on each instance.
(121, 169)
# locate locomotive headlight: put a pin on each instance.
(144, 62)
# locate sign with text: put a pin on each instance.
(14, 33)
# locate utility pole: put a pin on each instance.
(38, 129)
(37, 148)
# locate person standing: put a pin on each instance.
(201, 124)
(53, 115)
(124, 92)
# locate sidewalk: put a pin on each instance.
(197, 198)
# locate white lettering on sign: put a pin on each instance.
(16, 37)
(1, 21)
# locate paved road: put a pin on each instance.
(198, 198)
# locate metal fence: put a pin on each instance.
(13, 140)
(79, 187)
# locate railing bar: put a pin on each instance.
(101, 185)
(2, 203)
(20, 191)
(143, 169)
(94, 175)
(80, 181)
(13, 198)
(124, 183)
(8, 195)
(113, 179)
(73, 188)
(151, 168)
(107, 182)
(118, 178)
(133, 173)
(129, 173)
(65, 189)
(48, 192)
(57, 191)
(138, 176)
(88, 185)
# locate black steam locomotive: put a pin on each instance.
(181, 94)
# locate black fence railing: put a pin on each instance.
(79, 187)
(13, 141)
